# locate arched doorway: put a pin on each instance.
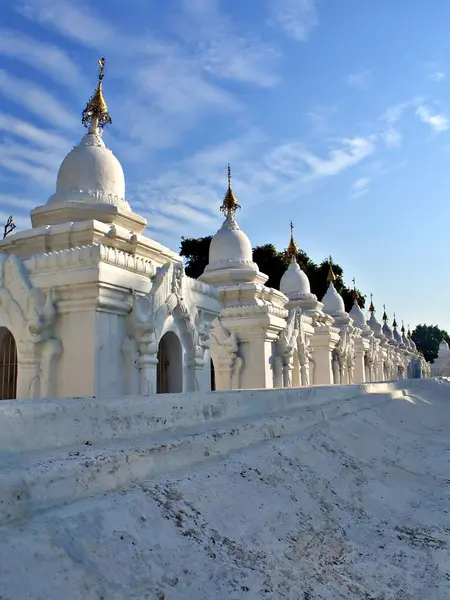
(8, 365)
(213, 376)
(170, 365)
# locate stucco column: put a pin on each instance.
(27, 377)
(147, 363)
(323, 342)
(361, 346)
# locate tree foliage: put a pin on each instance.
(273, 263)
(427, 339)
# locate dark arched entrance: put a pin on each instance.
(8, 365)
(213, 376)
(170, 364)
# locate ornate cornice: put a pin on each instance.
(71, 197)
(89, 255)
(231, 264)
(202, 288)
(253, 310)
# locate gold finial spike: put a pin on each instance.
(230, 204)
(371, 307)
(403, 327)
(292, 249)
(409, 331)
(384, 317)
(354, 293)
(95, 116)
(331, 276)
(394, 323)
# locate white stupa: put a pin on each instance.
(295, 283)
(90, 182)
(230, 252)
(333, 303)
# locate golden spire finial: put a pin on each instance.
(230, 204)
(371, 307)
(354, 292)
(384, 317)
(331, 276)
(409, 331)
(95, 115)
(292, 249)
(403, 327)
(394, 323)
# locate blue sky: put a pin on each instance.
(334, 114)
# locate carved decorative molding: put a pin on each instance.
(89, 255)
(75, 197)
(254, 310)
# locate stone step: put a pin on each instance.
(28, 425)
(33, 481)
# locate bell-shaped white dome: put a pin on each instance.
(229, 246)
(397, 336)
(405, 340)
(333, 304)
(358, 316)
(375, 325)
(387, 331)
(294, 281)
(443, 347)
(91, 174)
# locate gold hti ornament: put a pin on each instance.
(292, 249)
(96, 113)
(230, 204)
(331, 276)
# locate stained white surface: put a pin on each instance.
(352, 504)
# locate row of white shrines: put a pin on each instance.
(91, 306)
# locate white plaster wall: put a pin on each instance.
(76, 367)
(110, 376)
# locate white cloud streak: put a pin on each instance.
(36, 100)
(360, 187)
(47, 58)
(438, 122)
(73, 21)
(437, 76)
(32, 134)
(296, 17)
(221, 50)
(361, 80)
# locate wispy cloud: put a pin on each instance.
(437, 121)
(14, 202)
(47, 58)
(72, 20)
(351, 152)
(170, 86)
(177, 86)
(32, 134)
(390, 133)
(41, 175)
(190, 192)
(320, 117)
(360, 187)
(296, 17)
(36, 100)
(436, 76)
(361, 80)
(221, 49)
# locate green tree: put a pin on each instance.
(427, 339)
(273, 263)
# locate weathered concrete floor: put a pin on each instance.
(353, 508)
